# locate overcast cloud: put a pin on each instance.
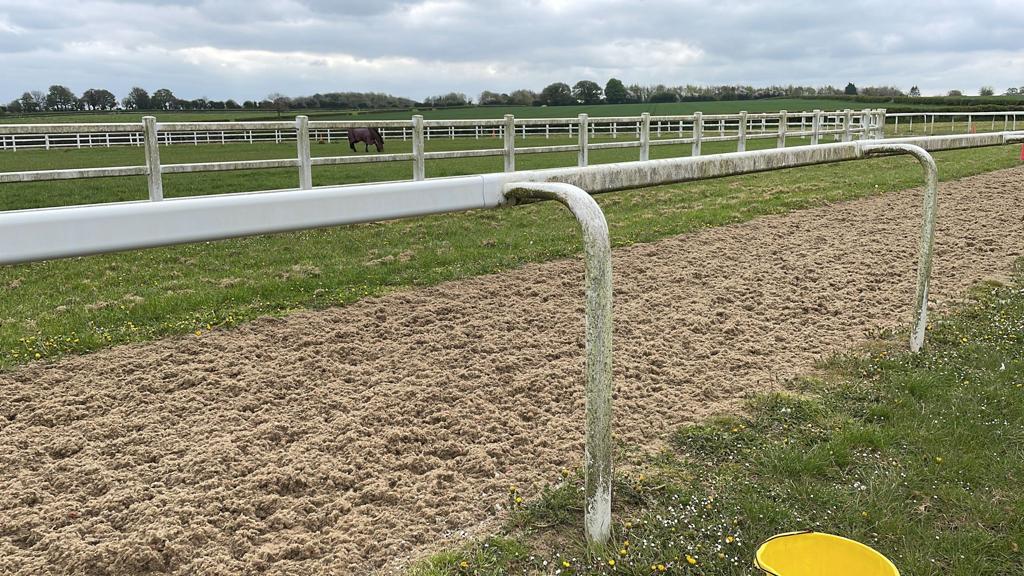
(247, 49)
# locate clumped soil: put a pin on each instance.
(349, 440)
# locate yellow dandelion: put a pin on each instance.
(519, 499)
(623, 552)
(611, 562)
(691, 560)
(729, 539)
(464, 564)
(938, 459)
(661, 568)
(565, 564)
(199, 332)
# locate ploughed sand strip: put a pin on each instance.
(340, 441)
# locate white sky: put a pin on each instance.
(247, 49)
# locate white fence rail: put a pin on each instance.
(30, 235)
(969, 122)
(624, 127)
(646, 129)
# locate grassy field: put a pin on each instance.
(82, 304)
(919, 456)
(766, 105)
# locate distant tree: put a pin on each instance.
(850, 90)
(232, 105)
(249, 105)
(661, 96)
(638, 93)
(615, 92)
(163, 99)
(587, 92)
(15, 106)
(915, 91)
(1012, 91)
(488, 98)
(61, 98)
(986, 91)
(29, 103)
(137, 99)
(522, 97)
(98, 99)
(954, 93)
(557, 94)
(449, 99)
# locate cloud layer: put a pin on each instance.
(417, 48)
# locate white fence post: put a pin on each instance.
(418, 169)
(510, 143)
(848, 125)
(815, 126)
(302, 143)
(155, 181)
(741, 137)
(584, 133)
(698, 133)
(881, 123)
(783, 124)
(645, 136)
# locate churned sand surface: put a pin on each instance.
(349, 440)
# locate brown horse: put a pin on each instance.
(367, 136)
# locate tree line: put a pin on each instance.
(60, 98)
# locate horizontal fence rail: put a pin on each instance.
(38, 234)
(640, 132)
(952, 122)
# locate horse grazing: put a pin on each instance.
(367, 136)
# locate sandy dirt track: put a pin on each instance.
(342, 441)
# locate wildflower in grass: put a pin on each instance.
(611, 562)
(566, 564)
(464, 564)
(691, 560)
(623, 552)
(729, 539)
(938, 459)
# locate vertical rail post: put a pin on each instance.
(584, 133)
(302, 144)
(510, 143)
(154, 178)
(815, 126)
(698, 133)
(645, 136)
(881, 123)
(927, 243)
(597, 513)
(418, 169)
(783, 124)
(741, 137)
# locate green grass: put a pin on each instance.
(919, 456)
(83, 304)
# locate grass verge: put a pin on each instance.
(919, 456)
(78, 305)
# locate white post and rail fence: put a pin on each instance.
(41, 234)
(647, 131)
